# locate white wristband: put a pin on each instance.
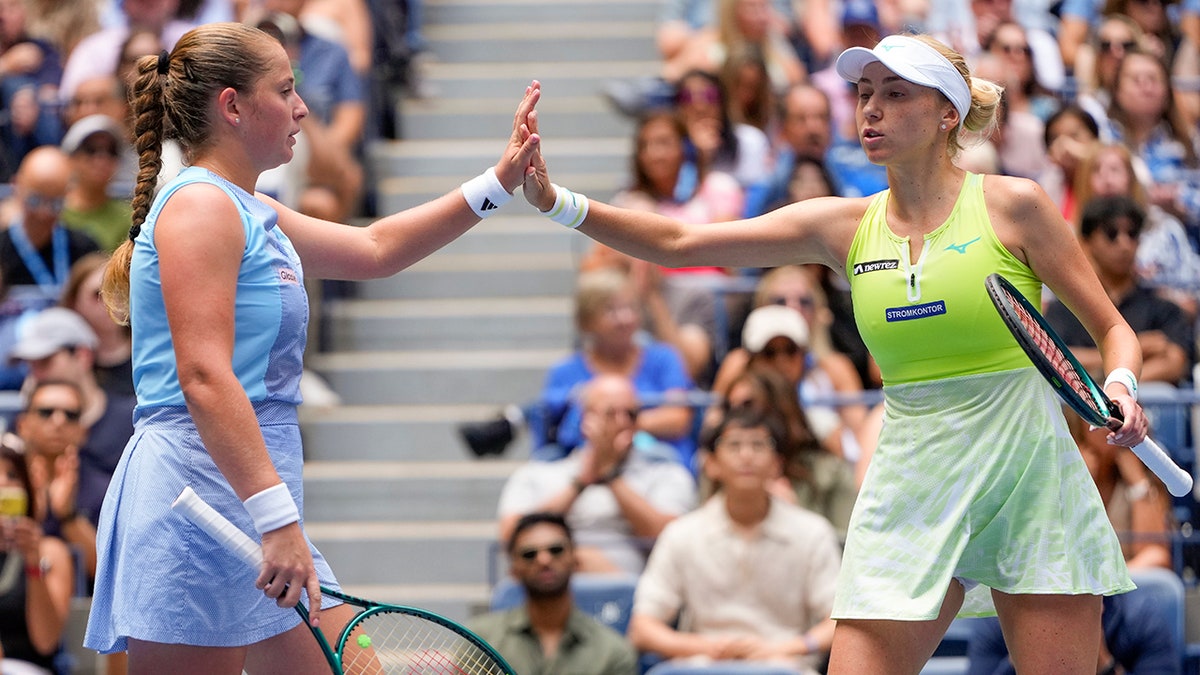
(1125, 377)
(272, 508)
(570, 208)
(484, 193)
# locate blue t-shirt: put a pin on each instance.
(326, 79)
(661, 370)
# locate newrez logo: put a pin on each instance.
(915, 311)
(875, 266)
(288, 276)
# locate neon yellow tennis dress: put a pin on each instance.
(975, 476)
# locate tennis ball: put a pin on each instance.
(364, 641)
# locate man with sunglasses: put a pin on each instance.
(50, 427)
(1109, 231)
(549, 634)
(616, 496)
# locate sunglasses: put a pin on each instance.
(555, 550)
(703, 96)
(1014, 50)
(803, 301)
(1113, 232)
(1109, 45)
(97, 151)
(47, 413)
(35, 202)
(789, 350)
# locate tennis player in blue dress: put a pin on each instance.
(211, 281)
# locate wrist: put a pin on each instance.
(1125, 378)
(570, 209)
(37, 570)
(810, 644)
(485, 194)
(272, 508)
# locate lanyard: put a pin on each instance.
(33, 260)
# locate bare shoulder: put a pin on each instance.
(1015, 197)
(199, 212)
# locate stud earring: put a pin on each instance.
(943, 127)
(238, 120)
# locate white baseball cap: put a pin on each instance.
(914, 61)
(771, 321)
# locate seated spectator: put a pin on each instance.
(36, 251)
(746, 577)
(49, 426)
(114, 347)
(1072, 135)
(1165, 259)
(333, 129)
(30, 68)
(617, 499)
(100, 52)
(95, 145)
(607, 317)
(1109, 231)
(60, 346)
(33, 605)
(549, 635)
(716, 142)
(680, 302)
(812, 478)
(738, 23)
(789, 330)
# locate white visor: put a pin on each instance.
(914, 61)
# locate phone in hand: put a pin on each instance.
(14, 501)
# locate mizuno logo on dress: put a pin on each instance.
(488, 205)
(875, 266)
(961, 248)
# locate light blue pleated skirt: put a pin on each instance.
(161, 579)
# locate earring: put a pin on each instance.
(943, 127)
(238, 120)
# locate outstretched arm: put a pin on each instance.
(815, 231)
(395, 242)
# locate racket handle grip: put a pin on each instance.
(218, 527)
(1178, 481)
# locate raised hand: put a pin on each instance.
(537, 188)
(523, 143)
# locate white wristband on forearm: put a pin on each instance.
(570, 208)
(272, 508)
(485, 194)
(1125, 377)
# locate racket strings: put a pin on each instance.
(388, 643)
(1057, 358)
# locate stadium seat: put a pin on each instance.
(606, 597)
(1165, 589)
(945, 665)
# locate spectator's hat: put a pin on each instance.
(772, 321)
(86, 127)
(50, 330)
(860, 13)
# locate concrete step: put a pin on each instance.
(478, 276)
(495, 323)
(481, 377)
(586, 115)
(443, 164)
(576, 41)
(374, 492)
(507, 79)
(400, 193)
(517, 233)
(396, 433)
(448, 13)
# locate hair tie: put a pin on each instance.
(164, 62)
(134, 232)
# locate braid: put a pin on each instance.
(146, 100)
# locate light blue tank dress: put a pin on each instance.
(159, 578)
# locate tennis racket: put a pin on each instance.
(1072, 383)
(381, 639)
